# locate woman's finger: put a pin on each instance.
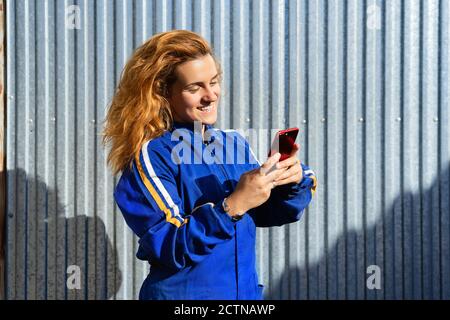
(288, 173)
(288, 162)
(286, 181)
(269, 163)
(292, 158)
(295, 178)
(274, 174)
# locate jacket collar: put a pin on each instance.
(191, 127)
(188, 125)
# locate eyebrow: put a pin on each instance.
(199, 82)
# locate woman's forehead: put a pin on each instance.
(198, 70)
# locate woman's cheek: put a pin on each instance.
(190, 100)
(195, 101)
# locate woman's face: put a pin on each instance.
(195, 94)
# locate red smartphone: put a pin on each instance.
(284, 142)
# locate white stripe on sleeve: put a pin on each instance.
(158, 182)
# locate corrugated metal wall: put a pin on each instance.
(367, 82)
(2, 150)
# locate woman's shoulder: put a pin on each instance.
(157, 148)
(156, 155)
(159, 142)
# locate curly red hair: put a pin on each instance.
(139, 110)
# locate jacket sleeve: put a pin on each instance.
(148, 198)
(286, 203)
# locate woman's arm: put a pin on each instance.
(149, 201)
(287, 202)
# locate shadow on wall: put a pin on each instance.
(2, 233)
(410, 243)
(51, 256)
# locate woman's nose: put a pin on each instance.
(210, 95)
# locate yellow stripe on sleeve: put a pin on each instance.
(157, 198)
(313, 189)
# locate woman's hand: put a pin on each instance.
(293, 170)
(254, 187)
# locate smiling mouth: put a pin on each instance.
(206, 109)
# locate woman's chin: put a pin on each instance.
(208, 118)
(210, 121)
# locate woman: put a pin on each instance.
(195, 219)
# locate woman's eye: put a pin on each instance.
(213, 83)
(193, 90)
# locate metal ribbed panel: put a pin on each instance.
(2, 150)
(444, 145)
(392, 128)
(365, 81)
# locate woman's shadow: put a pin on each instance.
(50, 255)
(408, 248)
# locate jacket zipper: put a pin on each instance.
(235, 229)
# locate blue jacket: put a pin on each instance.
(172, 199)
